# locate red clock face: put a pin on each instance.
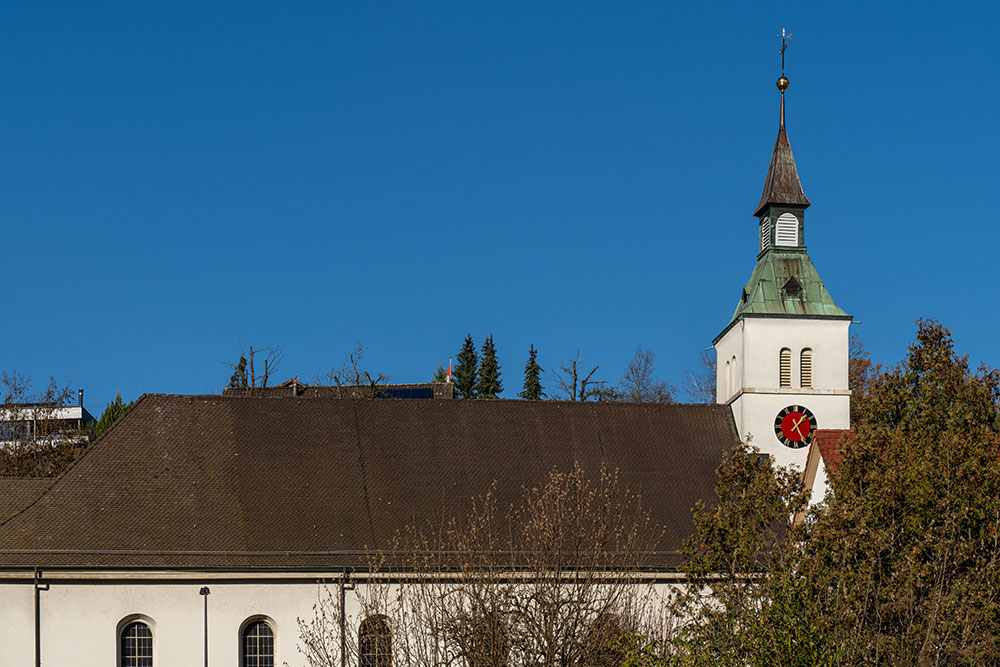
(794, 426)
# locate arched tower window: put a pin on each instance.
(734, 381)
(785, 368)
(806, 368)
(728, 380)
(375, 642)
(136, 645)
(786, 231)
(257, 644)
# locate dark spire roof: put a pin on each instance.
(782, 184)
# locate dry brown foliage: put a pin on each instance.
(551, 580)
(33, 443)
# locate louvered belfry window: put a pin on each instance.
(786, 231)
(785, 369)
(765, 234)
(806, 367)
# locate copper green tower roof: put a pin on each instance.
(785, 283)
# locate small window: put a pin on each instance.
(765, 234)
(375, 642)
(136, 645)
(786, 231)
(257, 644)
(785, 370)
(806, 368)
(736, 378)
(792, 289)
(729, 381)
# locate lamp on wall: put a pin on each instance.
(204, 592)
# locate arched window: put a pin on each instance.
(375, 642)
(806, 368)
(257, 644)
(786, 230)
(785, 368)
(136, 645)
(735, 382)
(728, 381)
(765, 234)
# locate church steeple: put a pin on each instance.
(784, 283)
(782, 358)
(782, 185)
(782, 205)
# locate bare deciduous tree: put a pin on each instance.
(34, 441)
(351, 379)
(640, 384)
(255, 367)
(551, 580)
(861, 372)
(575, 383)
(700, 383)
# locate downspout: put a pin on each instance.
(38, 617)
(344, 586)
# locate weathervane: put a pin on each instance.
(782, 81)
(784, 45)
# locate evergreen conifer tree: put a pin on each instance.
(238, 380)
(115, 409)
(465, 371)
(489, 384)
(439, 375)
(532, 378)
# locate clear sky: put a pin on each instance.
(176, 178)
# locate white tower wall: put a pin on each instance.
(748, 378)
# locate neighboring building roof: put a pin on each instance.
(221, 481)
(782, 186)
(16, 493)
(829, 443)
(414, 390)
(44, 411)
(769, 291)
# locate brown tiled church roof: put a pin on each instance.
(16, 493)
(220, 481)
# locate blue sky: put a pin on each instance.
(176, 178)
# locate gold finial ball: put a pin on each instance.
(782, 83)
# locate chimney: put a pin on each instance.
(80, 394)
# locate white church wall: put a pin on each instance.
(758, 410)
(80, 621)
(765, 337)
(82, 613)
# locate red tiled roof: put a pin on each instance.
(829, 443)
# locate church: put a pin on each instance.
(200, 527)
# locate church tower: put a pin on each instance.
(782, 360)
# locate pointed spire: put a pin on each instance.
(782, 185)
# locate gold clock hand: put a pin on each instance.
(796, 425)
